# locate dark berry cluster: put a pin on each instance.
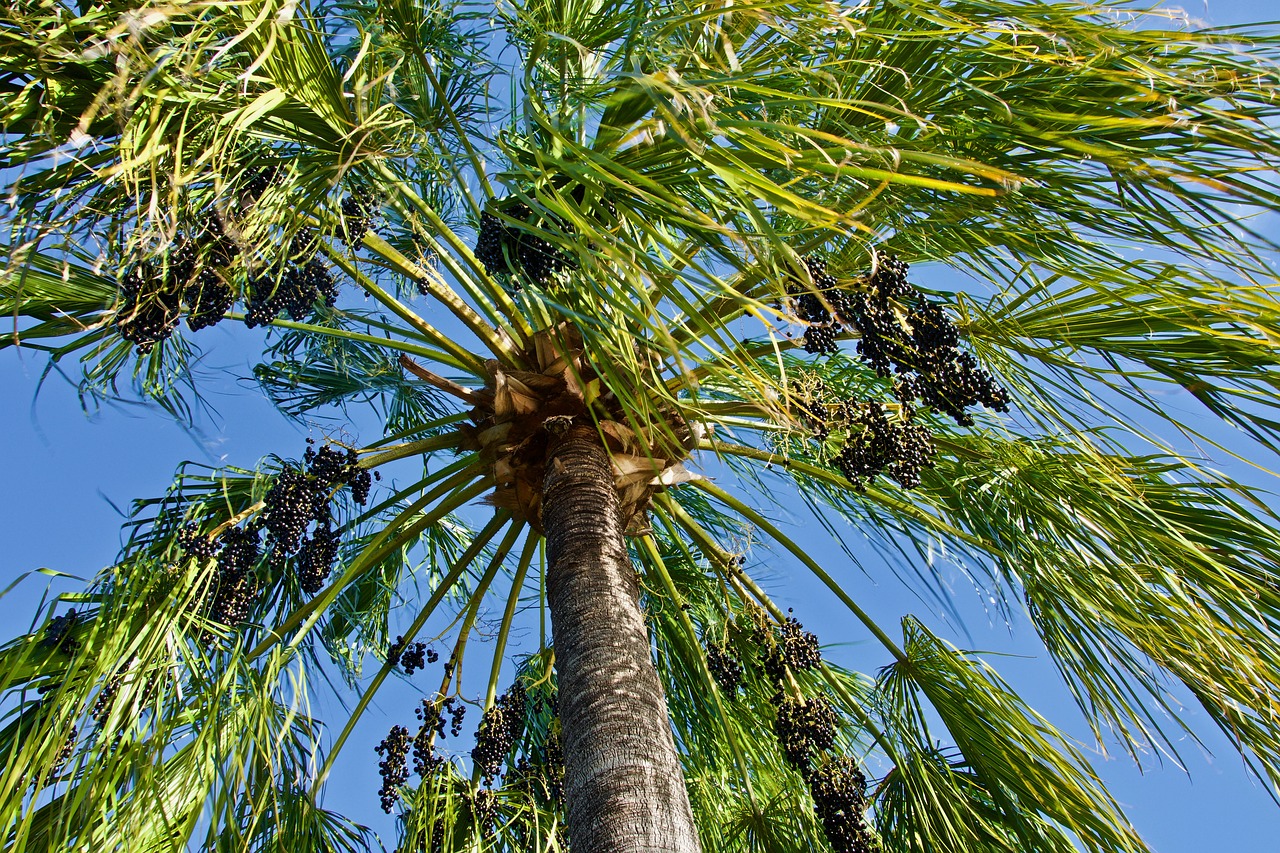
(821, 306)
(805, 728)
(498, 730)
(64, 754)
(432, 714)
(839, 793)
(397, 746)
(333, 468)
(511, 252)
(394, 766)
(554, 754)
(100, 713)
(413, 656)
(360, 483)
(724, 667)
(821, 340)
(425, 758)
(294, 501)
(544, 778)
(300, 497)
(208, 299)
(258, 180)
(793, 648)
(874, 443)
(317, 555)
(195, 544)
(426, 259)
(484, 810)
(191, 275)
(889, 278)
(902, 332)
(149, 309)
(329, 465)
(237, 583)
(358, 211)
(953, 383)
(57, 634)
(546, 701)
(878, 445)
(296, 293)
(194, 274)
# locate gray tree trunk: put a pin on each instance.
(624, 789)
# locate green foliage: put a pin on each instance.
(679, 161)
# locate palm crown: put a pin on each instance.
(677, 232)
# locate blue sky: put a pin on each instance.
(68, 471)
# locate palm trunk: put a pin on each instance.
(624, 789)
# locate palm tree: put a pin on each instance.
(598, 243)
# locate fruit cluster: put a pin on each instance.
(545, 779)
(820, 306)
(432, 714)
(724, 667)
(194, 274)
(513, 253)
(258, 180)
(100, 712)
(63, 755)
(195, 544)
(874, 443)
(358, 211)
(317, 555)
(792, 648)
(804, 727)
(57, 634)
(425, 757)
(208, 299)
(299, 497)
(412, 656)
(191, 274)
(149, 308)
(484, 810)
(901, 333)
(901, 449)
(780, 647)
(839, 792)
(806, 730)
(554, 763)
(498, 730)
(237, 583)
(296, 293)
(394, 766)
(397, 746)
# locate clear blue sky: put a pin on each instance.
(66, 470)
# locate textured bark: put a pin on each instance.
(624, 789)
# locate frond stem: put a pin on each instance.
(305, 617)
(413, 448)
(467, 395)
(825, 476)
(476, 325)
(799, 553)
(360, 337)
(483, 538)
(713, 689)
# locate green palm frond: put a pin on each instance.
(622, 210)
(1032, 776)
